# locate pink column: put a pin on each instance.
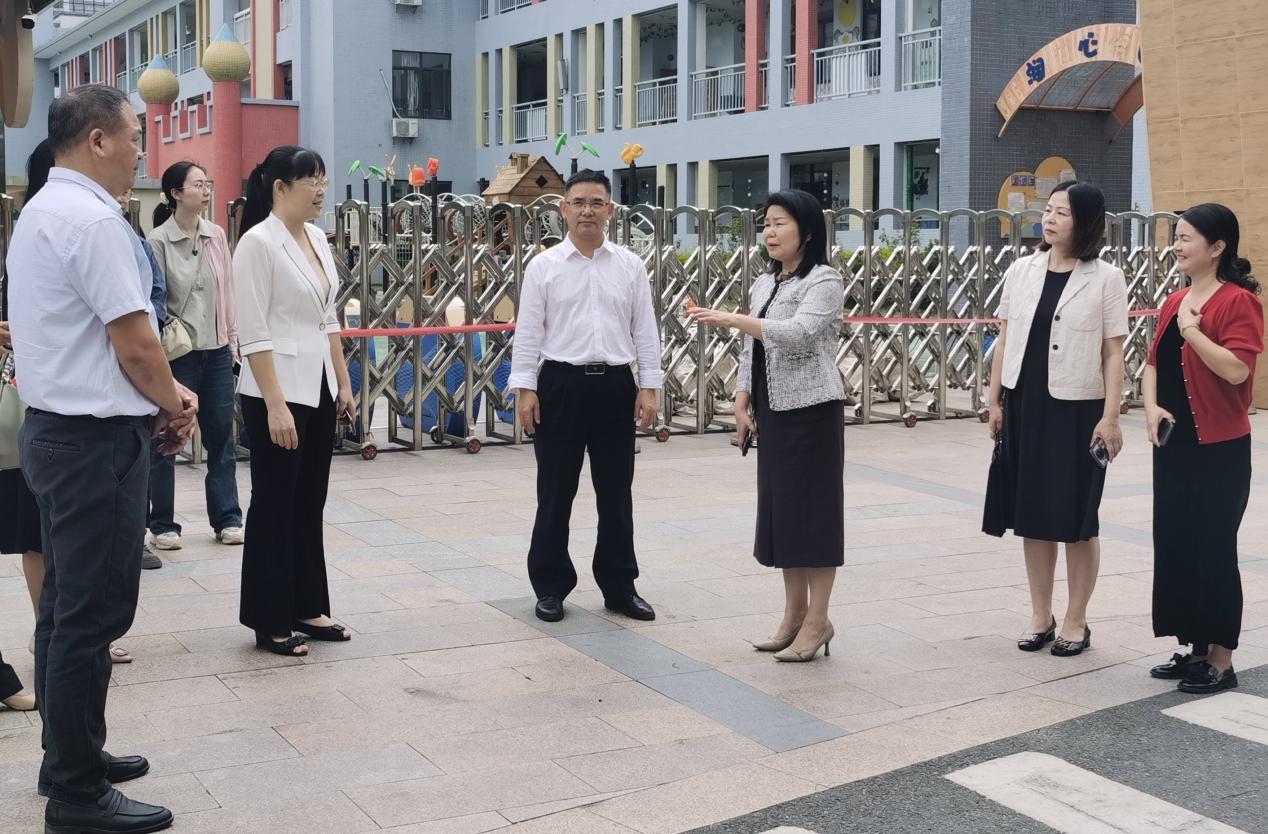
(229, 168)
(754, 52)
(154, 138)
(807, 42)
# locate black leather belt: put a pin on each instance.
(589, 369)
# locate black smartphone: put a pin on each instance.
(746, 443)
(1099, 454)
(1165, 427)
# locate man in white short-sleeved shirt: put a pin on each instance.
(585, 312)
(97, 386)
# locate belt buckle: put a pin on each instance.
(595, 368)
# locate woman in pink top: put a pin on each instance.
(194, 256)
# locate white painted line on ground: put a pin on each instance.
(1076, 801)
(1244, 716)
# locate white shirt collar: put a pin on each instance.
(567, 248)
(66, 175)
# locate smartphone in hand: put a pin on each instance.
(746, 443)
(1165, 427)
(1099, 454)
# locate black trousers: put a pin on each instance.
(284, 560)
(10, 683)
(584, 412)
(89, 477)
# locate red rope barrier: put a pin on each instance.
(361, 332)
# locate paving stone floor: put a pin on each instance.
(453, 710)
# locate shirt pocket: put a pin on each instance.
(286, 347)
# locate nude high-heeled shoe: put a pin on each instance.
(777, 645)
(791, 655)
(22, 701)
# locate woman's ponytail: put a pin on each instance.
(162, 212)
(285, 163)
(1240, 274)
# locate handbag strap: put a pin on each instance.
(202, 254)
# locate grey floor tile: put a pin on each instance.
(632, 654)
(381, 532)
(745, 709)
(482, 583)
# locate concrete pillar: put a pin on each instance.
(754, 52)
(807, 42)
(688, 37)
(263, 49)
(612, 71)
(226, 157)
(890, 195)
(202, 27)
(510, 78)
(629, 68)
(706, 184)
(495, 99)
(777, 172)
(482, 97)
(155, 115)
(860, 182)
(776, 49)
(593, 83)
(553, 86)
(667, 178)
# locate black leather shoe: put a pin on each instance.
(1037, 640)
(550, 609)
(1069, 648)
(1202, 679)
(112, 813)
(633, 606)
(1175, 668)
(118, 769)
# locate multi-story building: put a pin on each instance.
(866, 103)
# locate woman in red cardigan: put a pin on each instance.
(1198, 386)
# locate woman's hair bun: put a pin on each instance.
(1242, 266)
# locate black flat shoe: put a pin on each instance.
(118, 769)
(112, 813)
(1069, 648)
(286, 648)
(1202, 679)
(1175, 668)
(550, 609)
(633, 606)
(1036, 641)
(331, 634)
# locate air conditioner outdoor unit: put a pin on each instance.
(404, 128)
(413, 3)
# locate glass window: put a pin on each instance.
(421, 86)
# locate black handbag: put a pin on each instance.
(997, 514)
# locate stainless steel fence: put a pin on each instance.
(920, 292)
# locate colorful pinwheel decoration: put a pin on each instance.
(629, 155)
(562, 144)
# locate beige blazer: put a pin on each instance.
(1092, 308)
(282, 308)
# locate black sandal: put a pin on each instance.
(331, 634)
(286, 647)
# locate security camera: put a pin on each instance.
(28, 21)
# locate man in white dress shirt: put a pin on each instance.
(585, 313)
(97, 387)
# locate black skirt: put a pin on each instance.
(800, 480)
(20, 529)
(1200, 495)
(1044, 484)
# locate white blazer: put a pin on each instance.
(281, 308)
(1092, 308)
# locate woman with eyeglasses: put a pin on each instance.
(194, 257)
(293, 385)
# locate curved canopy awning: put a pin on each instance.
(1093, 68)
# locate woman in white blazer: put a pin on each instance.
(294, 383)
(1056, 386)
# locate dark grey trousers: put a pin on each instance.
(89, 477)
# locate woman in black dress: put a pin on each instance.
(1199, 379)
(789, 377)
(1056, 384)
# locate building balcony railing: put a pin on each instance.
(656, 101)
(530, 121)
(172, 56)
(922, 58)
(189, 57)
(620, 105)
(763, 79)
(484, 9)
(497, 133)
(80, 8)
(512, 5)
(852, 69)
(484, 130)
(790, 80)
(580, 115)
(242, 28)
(121, 81)
(717, 91)
(283, 14)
